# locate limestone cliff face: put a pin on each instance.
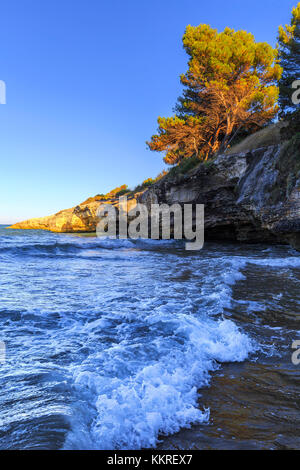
(246, 198)
(244, 195)
(82, 218)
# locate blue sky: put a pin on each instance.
(86, 81)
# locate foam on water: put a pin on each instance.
(115, 337)
(159, 396)
(146, 385)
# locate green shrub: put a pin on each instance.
(184, 166)
(122, 192)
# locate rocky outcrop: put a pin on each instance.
(238, 194)
(82, 218)
(247, 198)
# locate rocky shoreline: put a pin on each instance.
(247, 198)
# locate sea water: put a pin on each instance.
(108, 343)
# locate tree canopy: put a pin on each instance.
(230, 85)
(289, 55)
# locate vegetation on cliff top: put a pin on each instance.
(125, 191)
(231, 89)
(289, 54)
(230, 84)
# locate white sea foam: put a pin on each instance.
(146, 385)
(161, 396)
(118, 336)
(288, 262)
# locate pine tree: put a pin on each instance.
(230, 84)
(289, 56)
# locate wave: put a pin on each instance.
(124, 344)
(158, 398)
(57, 248)
(145, 385)
(288, 262)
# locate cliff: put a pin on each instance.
(81, 218)
(248, 197)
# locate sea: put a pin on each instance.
(140, 344)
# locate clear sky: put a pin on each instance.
(86, 81)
